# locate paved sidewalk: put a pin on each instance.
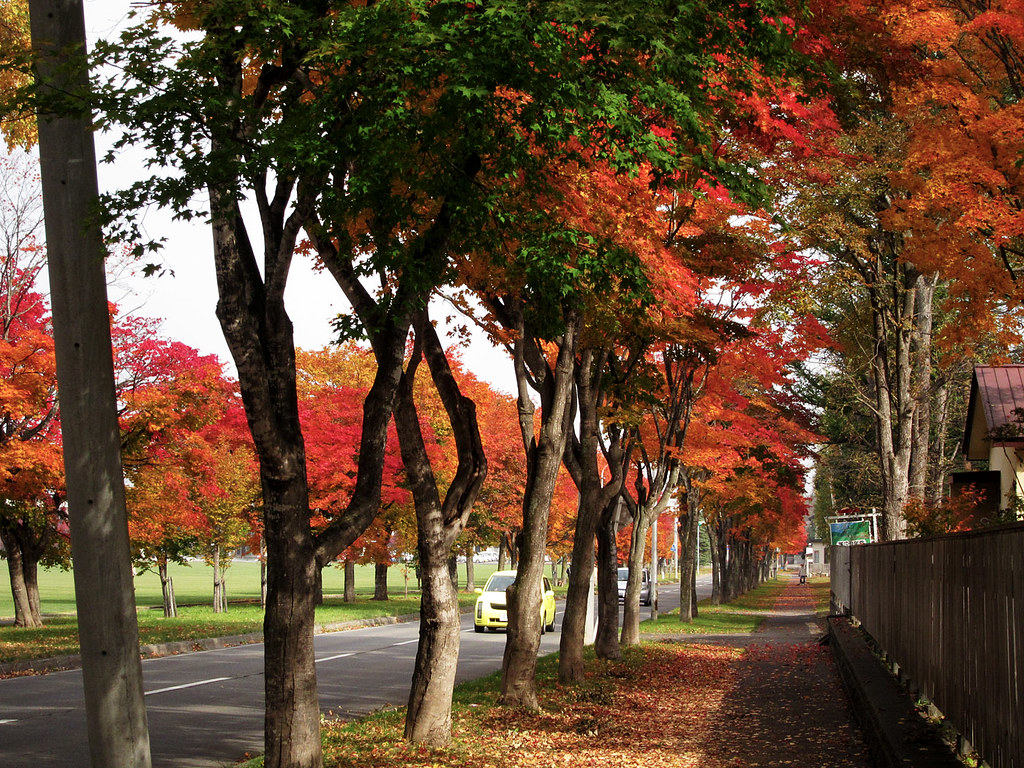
(788, 705)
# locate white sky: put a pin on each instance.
(185, 301)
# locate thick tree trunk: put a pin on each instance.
(429, 716)
(24, 616)
(574, 619)
(292, 720)
(894, 404)
(30, 566)
(167, 589)
(606, 643)
(544, 456)
(453, 570)
(687, 564)
(438, 525)
(350, 581)
(380, 581)
(594, 496)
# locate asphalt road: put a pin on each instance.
(206, 709)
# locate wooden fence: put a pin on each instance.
(949, 611)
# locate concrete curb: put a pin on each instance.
(152, 651)
(897, 735)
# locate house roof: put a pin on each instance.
(995, 411)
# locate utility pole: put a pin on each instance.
(653, 586)
(107, 623)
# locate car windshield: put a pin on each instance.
(623, 574)
(499, 582)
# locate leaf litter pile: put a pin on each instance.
(662, 705)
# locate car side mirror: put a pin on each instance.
(478, 591)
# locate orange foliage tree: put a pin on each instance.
(33, 526)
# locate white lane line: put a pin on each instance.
(7, 722)
(187, 685)
(332, 658)
(407, 642)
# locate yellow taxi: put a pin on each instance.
(492, 612)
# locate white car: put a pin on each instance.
(645, 586)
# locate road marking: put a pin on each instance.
(407, 642)
(7, 722)
(332, 658)
(187, 685)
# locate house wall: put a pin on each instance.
(1008, 462)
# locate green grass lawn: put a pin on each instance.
(59, 636)
(193, 587)
(740, 616)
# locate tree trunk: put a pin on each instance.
(716, 566)
(582, 463)
(937, 476)
(350, 581)
(574, 619)
(225, 562)
(894, 404)
(631, 605)
(263, 573)
(606, 643)
(470, 580)
(429, 717)
(115, 708)
(655, 575)
(503, 552)
(167, 589)
(921, 387)
(218, 586)
(24, 616)
(438, 525)
(292, 719)
(544, 456)
(453, 570)
(380, 581)
(687, 564)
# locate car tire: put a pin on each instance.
(551, 627)
(478, 628)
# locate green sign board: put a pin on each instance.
(853, 532)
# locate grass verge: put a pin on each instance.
(193, 585)
(59, 636)
(743, 615)
(602, 721)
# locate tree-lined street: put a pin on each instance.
(205, 709)
(742, 259)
